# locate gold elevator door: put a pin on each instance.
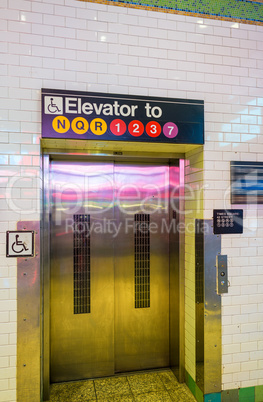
(109, 268)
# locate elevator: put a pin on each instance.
(114, 267)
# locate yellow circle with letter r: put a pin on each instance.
(80, 125)
(98, 126)
(61, 124)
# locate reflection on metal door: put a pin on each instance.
(82, 345)
(109, 268)
(141, 208)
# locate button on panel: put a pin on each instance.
(222, 275)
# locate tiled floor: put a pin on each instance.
(150, 386)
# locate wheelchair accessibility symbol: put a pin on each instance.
(53, 105)
(20, 244)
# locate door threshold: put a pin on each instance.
(120, 374)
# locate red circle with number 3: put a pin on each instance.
(153, 129)
(118, 127)
(136, 128)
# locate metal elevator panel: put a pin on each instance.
(141, 334)
(82, 345)
(117, 265)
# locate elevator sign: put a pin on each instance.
(110, 117)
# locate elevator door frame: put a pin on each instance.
(45, 263)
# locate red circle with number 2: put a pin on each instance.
(136, 128)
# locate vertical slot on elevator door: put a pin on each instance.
(81, 255)
(142, 260)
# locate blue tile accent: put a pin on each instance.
(216, 397)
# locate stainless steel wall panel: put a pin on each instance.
(208, 309)
(181, 263)
(45, 278)
(212, 313)
(174, 211)
(199, 302)
(28, 320)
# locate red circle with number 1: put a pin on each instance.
(118, 127)
(136, 128)
(153, 129)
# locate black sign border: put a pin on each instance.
(185, 124)
(20, 231)
(238, 228)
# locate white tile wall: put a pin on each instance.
(86, 46)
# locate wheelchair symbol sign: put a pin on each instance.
(20, 243)
(53, 105)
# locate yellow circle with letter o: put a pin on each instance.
(80, 125)
(61, 124)
(98, 126)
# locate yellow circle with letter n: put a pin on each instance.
(61, 124)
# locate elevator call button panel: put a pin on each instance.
(222, 276)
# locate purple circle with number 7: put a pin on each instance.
(170, 130)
